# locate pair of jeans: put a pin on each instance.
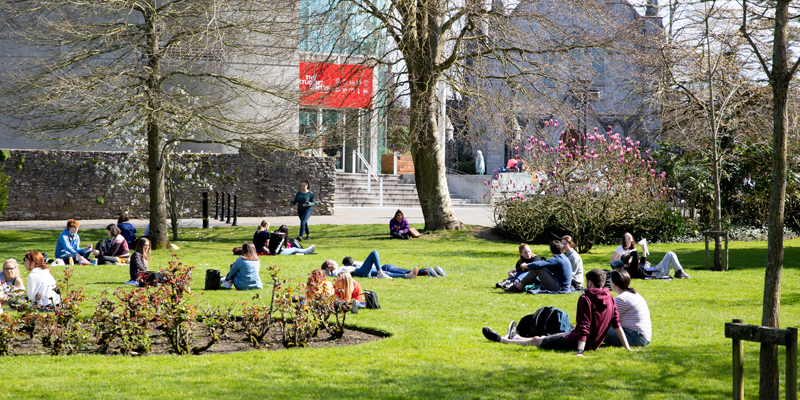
(292, 250)
(373, 261)
(546, 278)
(304, 216)
(635, 338)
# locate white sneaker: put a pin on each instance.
(440, 271)
(383, 275)
(512, 330)
(311, 249)
(432, 273)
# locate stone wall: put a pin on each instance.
(58, 185)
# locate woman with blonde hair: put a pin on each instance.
(261, 237)
(347, 288)
(244, 271)
(41, 284)
(10, 275)
(140, 260)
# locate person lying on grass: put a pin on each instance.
(626, 256)
(554, 274)
(596, 312)
(371, 267)
(634, 316)
(526, 257)
(244, 271)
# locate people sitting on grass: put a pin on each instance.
(371, 267)
(69, 244)
(118, 251)
(140, 260)
(553, 274)
(526, 257)
(41, 284)
(626, 256)
(277, 243)
(634, 316)
(10, 276)
(127, 230)
(596, 312)
(261, 238)
(398, 226)
(575, 260)
(244, 271)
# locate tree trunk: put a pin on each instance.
(159, 237)
(769, 385)
(428, 155)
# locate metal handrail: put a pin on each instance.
(370, 171)
(452, 171)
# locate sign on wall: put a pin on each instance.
(335, 86)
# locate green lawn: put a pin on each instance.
(436, 349)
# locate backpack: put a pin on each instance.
(545, 321)
(372, 300)
(213, 279)
(103, 246)
(293, 243)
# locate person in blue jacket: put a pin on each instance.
(127, 230)
(244, 271)
(69, 243)
(554, 273)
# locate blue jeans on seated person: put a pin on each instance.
(85, 253)
(635, 338)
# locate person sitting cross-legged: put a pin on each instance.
(526, 257)
(596, 312)
(555, 273)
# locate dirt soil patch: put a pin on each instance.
(233, 341)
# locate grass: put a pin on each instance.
(436, 349)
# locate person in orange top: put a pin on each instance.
(347, 288)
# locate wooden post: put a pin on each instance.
(705, 238)
(726, 252)
(738, 366)
(791, 364)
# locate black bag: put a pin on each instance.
(212, 279)
(103, 246)
(607, 285)
(294, 243)
(545, 321)
(237, 251)
(149, 278)
(372, 300)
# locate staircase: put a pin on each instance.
(398, 191)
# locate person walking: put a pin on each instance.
(304, 199)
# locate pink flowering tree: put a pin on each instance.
(585, 185)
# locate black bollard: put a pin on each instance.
(228, 221)
(222, 209)
(235, 211)
(205, 209)
(216, 204)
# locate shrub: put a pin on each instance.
(174, 314)
(62, 330)
(585, 187)
(8, 329)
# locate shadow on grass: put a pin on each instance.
(739, 258)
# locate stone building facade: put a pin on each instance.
(58, 185)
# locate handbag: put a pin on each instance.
(212, 279)
(414, 233)
(372, 300)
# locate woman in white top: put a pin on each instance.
(634, 316)
(575, 260)
(41, 284)
(627, 246)
(670, 260)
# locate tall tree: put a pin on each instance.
(461, 44)
(776, 16)
(169, 71)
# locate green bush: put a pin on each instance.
(4, 179)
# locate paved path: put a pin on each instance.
(343, 216)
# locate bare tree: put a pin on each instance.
(775, 16)
(480, 52)
(171, 71)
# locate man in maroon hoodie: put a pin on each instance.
(596, 312)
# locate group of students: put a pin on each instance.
(623, 320)
(561, 273)
(41, 289)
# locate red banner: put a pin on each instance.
(336, 86)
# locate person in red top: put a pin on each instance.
(596, 313)
(347, 288)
